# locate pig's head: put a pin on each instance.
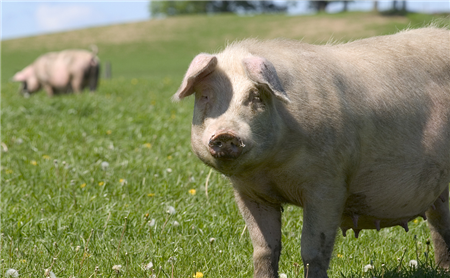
(28, 79)
(236, 125)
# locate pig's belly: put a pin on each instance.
(391, 199)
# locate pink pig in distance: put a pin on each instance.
(61, 72)
(358, 134)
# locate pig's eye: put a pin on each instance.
(257, 103)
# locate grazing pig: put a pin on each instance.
(61, 72)
(358, 134)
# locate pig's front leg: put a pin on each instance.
(49, 90)
(322, 213)
(264, 225)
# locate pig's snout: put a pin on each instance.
(225, 146)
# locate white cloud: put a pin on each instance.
(60, 17)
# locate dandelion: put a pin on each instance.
(368, 267)
(83, 185)
(282, 275)
(413, 263)
(152, 222)
(101, 183)
(192, 191)
(170, 210)
(33, 162)
(12, 273)
(198, 275)
(108, 132)
(148, 266)
(117, 268)
(340, 255)
(151, 194)
(45, 156)
(148, 145)
(55, 162)
(416, 221)
(105, 165)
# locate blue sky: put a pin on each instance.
(29, 18)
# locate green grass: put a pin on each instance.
(48, 209)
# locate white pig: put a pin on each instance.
(61, 72)
(358, 134)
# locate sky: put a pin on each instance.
(30, 18)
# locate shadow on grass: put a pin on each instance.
(422, 271)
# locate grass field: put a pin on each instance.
(92, 181)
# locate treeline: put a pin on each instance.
(173, 8)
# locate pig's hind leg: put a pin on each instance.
(439, 223)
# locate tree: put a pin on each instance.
(319, 6)
(171, 8)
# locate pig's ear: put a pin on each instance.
(20, 76)
(23, 74)
(263, 72)
(202, 65)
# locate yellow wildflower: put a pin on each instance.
(198, 275)
(192, 191)
(108, 132)
(8, 171)
(416, 221)
(121, 180)
(101, 183)
(83, 185)
(148, 145)
(169, 157)
(151, 194)
(173, 116)
(134, 81)
(33, 162)
(45, 156)
(340, 255)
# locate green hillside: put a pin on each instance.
(87, 181)
(159, 48)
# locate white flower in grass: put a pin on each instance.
(282, 275)
(49, 273)
(105, 165)
(176, 224)
(12, 273)
(169, 170)
(413, 263)
(149, 266)
(117, 267)
(152, 222)
(170, 210)
(368, 267)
